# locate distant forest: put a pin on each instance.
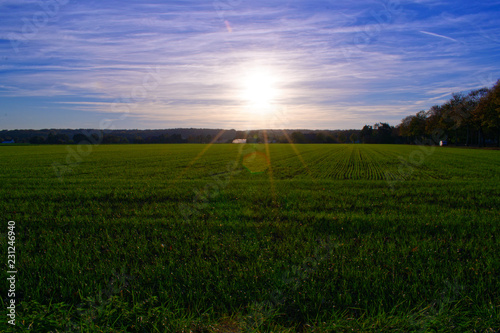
(466, 119)
(177, 135)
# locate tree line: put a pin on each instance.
(82, 136)
(182, 135)
(466, 119)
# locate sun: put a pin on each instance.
(259, 90)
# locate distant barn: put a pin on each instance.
(240, 141)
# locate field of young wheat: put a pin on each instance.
(252, 238)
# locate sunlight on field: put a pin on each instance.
(256, 162)
(169, 232)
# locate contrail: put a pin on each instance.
(436, 35)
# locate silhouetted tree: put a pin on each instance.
(417, 125)
(80, 138)
(366, 134)
(330, 139)
(353, 138)
(54, 138)
(36, 140)
(51, 138)
(298, 137)
(434, 121)
(110, 138)
(383, 132)
(487, 112)
(138, 139)
(341, 137)
(473, 123)
(320, 138)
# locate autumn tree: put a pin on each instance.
(487, 112)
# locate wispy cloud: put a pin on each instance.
(336, 64)
(438, 35)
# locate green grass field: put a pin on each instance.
(249, 238)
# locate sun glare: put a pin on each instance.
(259, 91)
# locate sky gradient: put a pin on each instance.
(169, 64)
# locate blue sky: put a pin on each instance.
(307, 64)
